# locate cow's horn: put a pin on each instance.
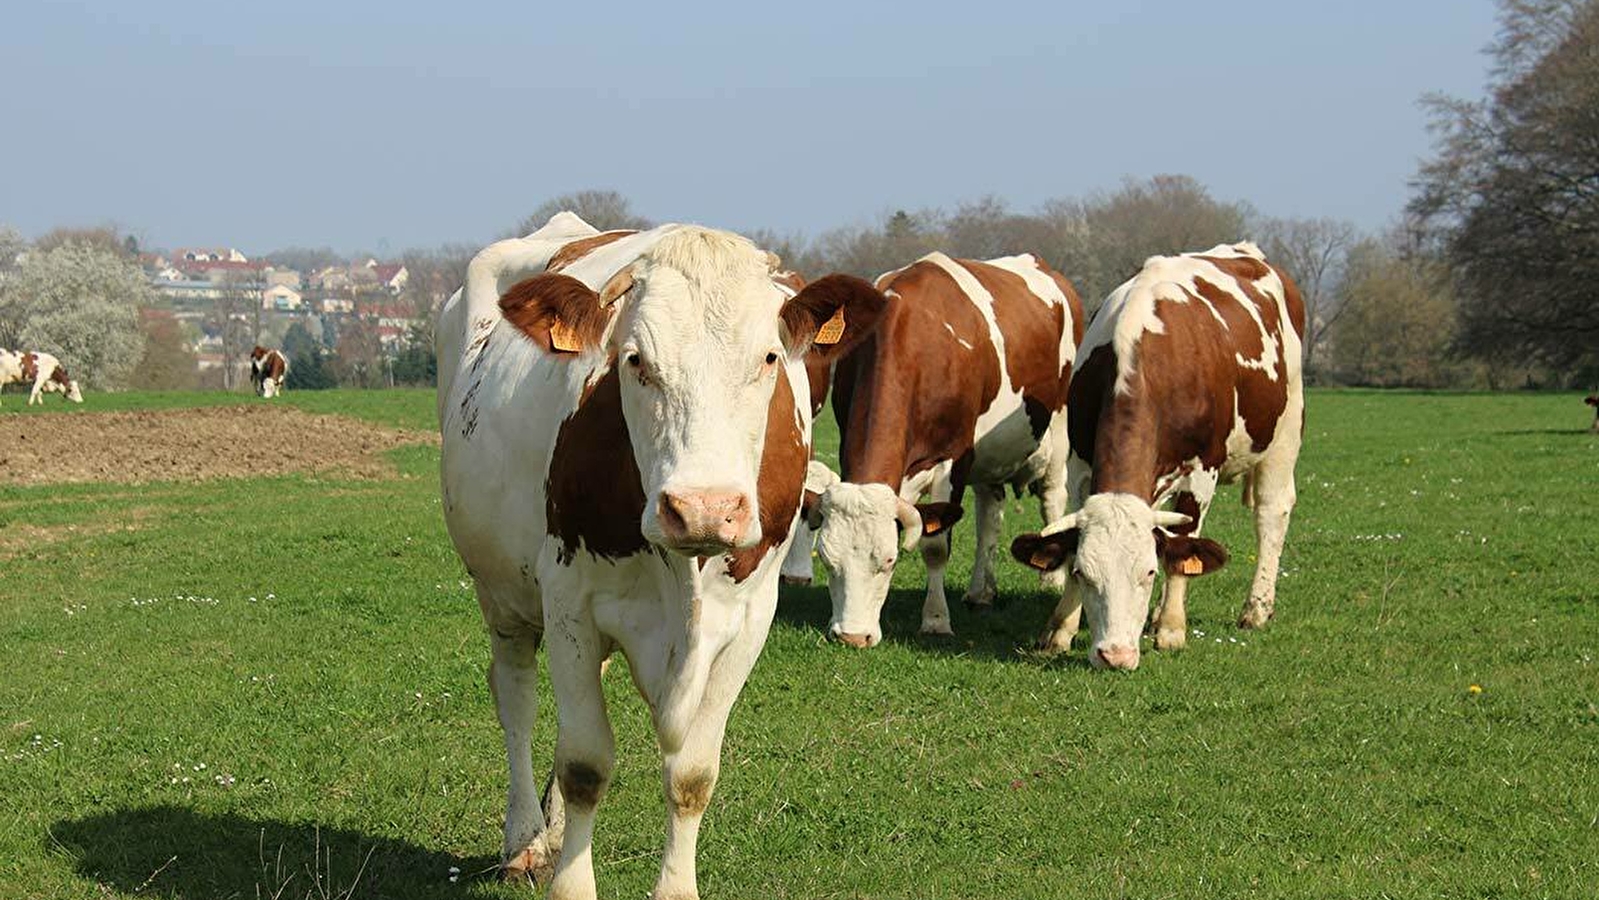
(910, 523)
(1066, 523)
(1165, 518)
(620, 283)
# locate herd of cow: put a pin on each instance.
(627, 466)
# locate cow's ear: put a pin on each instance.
(1187, 555)
(831, 315)
(1591, 399)
(560, 314)
(808, 502)
(938, 518)
(1044, 553)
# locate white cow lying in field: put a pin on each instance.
(44, 370)
(626, 426)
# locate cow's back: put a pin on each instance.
(1195, 359)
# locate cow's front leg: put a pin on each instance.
(584, 748)
(1170, 621)
(990, 519)
(513, 681)
(690, 774)
(935, 608)
(1063, 622)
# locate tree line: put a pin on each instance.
(1484, 281)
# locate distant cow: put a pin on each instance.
(963, 383)
(626, 426)
(268, 369)
(1593, 400)
(1189, 376)
(44, 371)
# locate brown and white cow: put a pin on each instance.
(626, 428)
(43, 370)
(268, 369)
(1189, 377)
(963, 383)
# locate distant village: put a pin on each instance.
(194, 280)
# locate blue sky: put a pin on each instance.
(385, 126)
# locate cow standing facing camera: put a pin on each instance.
(1189, 377)
(626, 425)
(268, 370)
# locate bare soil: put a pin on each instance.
(193, 445)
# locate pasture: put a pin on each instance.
(273, 687)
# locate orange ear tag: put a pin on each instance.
(563, 338)
(832, 329)
(1040, 560)
(1191, 566)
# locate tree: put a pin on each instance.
(358, 356)
(605, 210)
(236, 320)
(80, 302)
(168, 362)
(1314, 253)
(11, 248)
(1397, 321)
(105, 237)
(1512, 196)
(304, 260)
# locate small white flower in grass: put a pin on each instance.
(454, 878)
(455, 870)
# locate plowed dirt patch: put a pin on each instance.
(194, 444)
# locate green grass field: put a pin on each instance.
(274, 688)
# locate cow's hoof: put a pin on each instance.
(795, 580)
(937, 627)
(1171, 639)
(1050, 644)
(1255, 617)
(535, 863)
(979, 603)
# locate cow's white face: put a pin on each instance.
(73, 394)
(698, 363)
(859, 530)
(1115, 572)
(10, 366)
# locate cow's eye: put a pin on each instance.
(771, 358)
(633, 359)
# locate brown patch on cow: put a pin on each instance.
(257, 351)
(581, 785)
(794, 281)
(556, 312)
(805, 313)
(30, 366)
(908, 398)
(691, 793)
(1180, 401)
(60, 376)
(779, 483)
(1038, 415)
(594, 497)
(576, 250)
(1031, 329)
(276, 365)
(818, 372)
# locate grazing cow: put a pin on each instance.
(626, 427)
(1593, 401)
(1189, 377)
(268, 369)
(43, 370)
(963, 383)
(797, 567)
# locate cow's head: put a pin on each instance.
(700, 334)
(73, 393)
(1115, 543)
(10, 366)
(860, 531)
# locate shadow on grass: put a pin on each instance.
(1568, 432)
(171, 851)
(1005, 632)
